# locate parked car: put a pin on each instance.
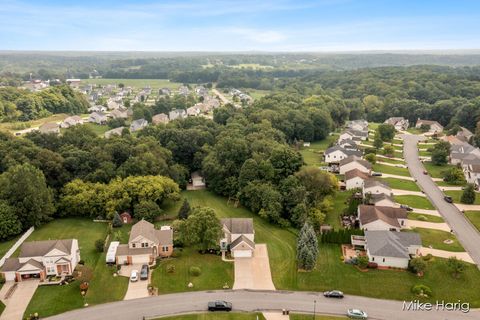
(134, 276)
(357, 314)
(448, 199)
(404, 206)
(376, 174)
(333, 294)
(219, 305)
(144, 272)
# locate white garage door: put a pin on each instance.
(145, 258)
(9, 276)
(242, 253)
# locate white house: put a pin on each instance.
(373, 186)
(354, 135)
(360, 125)
(400, 123)
(435, 127)
(472, 173)
(381, 218)
(348, 144)
(336, 154)
(392, 249)
(177, 114)
(39, 259)
(354, 162)
(98, 118)
(145, 244)
(239, 237)
(355, 178)
(193, 111)
(71, 121)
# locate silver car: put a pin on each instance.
(357, 314)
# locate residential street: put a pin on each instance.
(243, 300)
(468, 236)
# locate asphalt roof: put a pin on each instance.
(391, 243)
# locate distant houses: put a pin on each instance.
(138, 125)
(160, 118)
(400, 123)
(98, 118)
(71, 121)
(177, 114)
(434, 126)
(49, 127)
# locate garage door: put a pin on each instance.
(9, 276)
(242, 253)
(145, 258)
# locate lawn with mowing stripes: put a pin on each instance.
(436, 171)
(436, 238)
(424, 217)
(415, 202)
(401, 184)
(474, 217)
(391, 170)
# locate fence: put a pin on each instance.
(16, 245)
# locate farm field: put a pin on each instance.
(137, 83)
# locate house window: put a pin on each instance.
(373, 258)
(383, 259)
(144, 244)
(133, 245)
(164, 248)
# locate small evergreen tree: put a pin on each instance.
(468, 195)
(117, 221)
(184, 211)
(307, 248)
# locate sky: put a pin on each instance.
(240, 25)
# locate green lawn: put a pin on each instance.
(333, 217)
(2, 307)
(424, 153)
(415, 202)
(5, 245)
(424, 217)
(136, 83)
(391, 170)
(474, 217)
(448, 184)
(98, 129)
(389, 160)
(457, 194)
(50, 300)
(397, 141)
(373, 125)
(313, 155)
(218, 316)
(436, 171)
(401, 184)
(19, 125)
(435, 238)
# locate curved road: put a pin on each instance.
(244, 300)
(468, 236)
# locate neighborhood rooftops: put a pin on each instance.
(238, 225)
(354, 158)
(374, 182)
(428, 123)
(41, 248)
(241, 239)
(146, 229)
(391, 244)
(345, 151)
(355, 173)
(389, 215)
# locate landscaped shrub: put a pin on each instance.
(362, 262)
(428, 257)
(117, 221)
(195, 271)
(170, 268)
(372, 265)
(81, 262)
(99, 245)
(422, 290)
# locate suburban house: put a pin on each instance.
(117, 131)
(145, 244)
(239, 237)
(97, 109)
(355, 178)
(113, 105)
(119, 114)
(336, 153)
(381, 218)
(183, 91)
(472, 174)
(400, 123)
(49, 127)
(390, 249)
(71, 121)
(354, 135)
(348, 144)
(138, 125)
(359, 125)
(464, 134)
(98, 118)
(39, 259)
(160, 118)
(374, 186)
(177, 114)
(459, 153)
(381, 199)
(355, 162)
(435, 127)
(453, 140)
(193, 111)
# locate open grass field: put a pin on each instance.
(313, 155)
(401, 184)
(256, 94)
(436, 171)
(217, 316)
(457, 194)
(424, 217)
(98, 129)
(17, 125)
(474, 217)
(391, 170)
(436, 238)
(136, 83)
(415, 202)
(50, 300)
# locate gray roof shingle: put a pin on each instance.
(390, 243)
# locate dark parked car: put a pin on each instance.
(376, 174)
(219, 306)
(144, 272)
(333, 294)
(404, 206)
(448, 199)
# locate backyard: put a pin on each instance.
(313, 155)
(415, 202)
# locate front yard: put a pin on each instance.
(424, 217)
(391, 170)
(436, 238)
(474, 217)
(401, 184)
(436, 171)
(50, 300)
(415, 202)
(457, 195)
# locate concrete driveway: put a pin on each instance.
(428, 225)
(468, 236)
(137, 289)
(17, 303)
(254, 273)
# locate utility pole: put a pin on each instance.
(314, 308)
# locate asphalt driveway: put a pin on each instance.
(17, 303)
(254, 273)
(468, 236)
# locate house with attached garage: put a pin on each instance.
(238, 237)
(160, 118)
(400, 123)
(177, 114)
(381, 218)
(360, 125)
(145, 244)
(472, 174)
(348, 144)
(390, 249)
(382, 200)
(374, 186)
(464, 134)
(355, 178)
(49, 127)
(71, 121)
(335, 154)
(119, 114)
(460, 152)
(434, 126)
(39, 259)
(355, 162)
(98, 118)
(354, 135)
